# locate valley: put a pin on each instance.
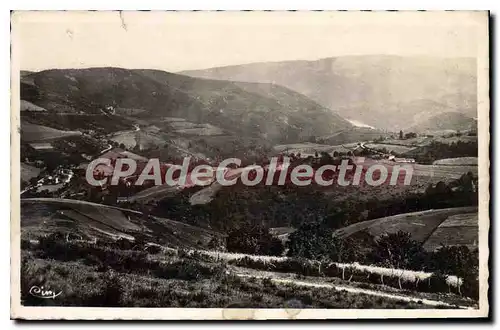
(212, 245)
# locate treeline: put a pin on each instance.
(317, 242)
(458, 193)
(292, 206)
(392, 250)
(437, 150)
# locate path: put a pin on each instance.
(359, 291)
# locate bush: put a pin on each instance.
(253, 240)
(153, 249)
(189, 270)
(112, 290)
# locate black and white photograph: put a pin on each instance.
(249, 165)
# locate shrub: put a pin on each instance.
(153, 249)
(112, 290)
(188, 270)
(253, 240)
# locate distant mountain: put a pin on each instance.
(377, 90)
(445, 121)
(267, 111)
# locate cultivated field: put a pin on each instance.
(309, 149)
(398, 149)
(425, 226)
(461, 228)
(444, 172)
(457, 161)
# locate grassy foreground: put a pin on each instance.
(98, 275)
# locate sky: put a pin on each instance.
(175, 41)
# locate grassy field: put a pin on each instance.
(309, 149)
(457, 161)
(28, 172)
(142, 139)
(421, 141)
(462, 228)
(444, 172)
(398, 149)
(28, 106)
(36, 133)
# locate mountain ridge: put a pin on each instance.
(362, 87)
(243, 108)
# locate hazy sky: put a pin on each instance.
(194, 40)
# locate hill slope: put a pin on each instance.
(35, 133)
(453, 226)
(455, 121)
(381, 91)
(252, 110)
(47, 215)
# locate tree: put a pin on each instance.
(311, 240)
(401, 134)
(344, 250)
(466, 182)
(217, 244)
(325, 158)
(458, 261)
(398, 250)
(318, 242)
(455, 260)
(410, 135)
(442, 188)
(33, 181)
(253, 240)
